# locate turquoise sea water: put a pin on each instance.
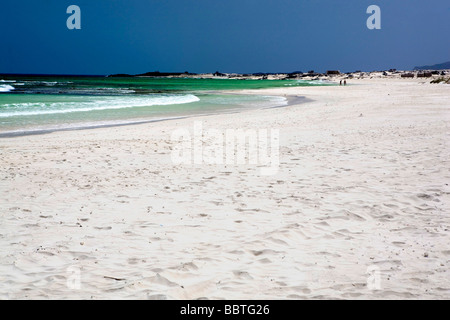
(30, 104)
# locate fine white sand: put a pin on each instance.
(361, 191)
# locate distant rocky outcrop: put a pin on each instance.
(159, 74)
(330, 75)
(440, 66)
(153, 74)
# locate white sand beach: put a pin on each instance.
(361, 197)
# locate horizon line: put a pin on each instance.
(191, 73)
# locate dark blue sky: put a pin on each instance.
(135, 36)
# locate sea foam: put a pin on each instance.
(6, 88)
(108, 103)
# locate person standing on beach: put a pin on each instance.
(340, 83)
(345, 82)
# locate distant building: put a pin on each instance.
(424, 75)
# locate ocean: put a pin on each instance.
(36, 104)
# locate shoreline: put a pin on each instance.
(362, 187)
(291, 100)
